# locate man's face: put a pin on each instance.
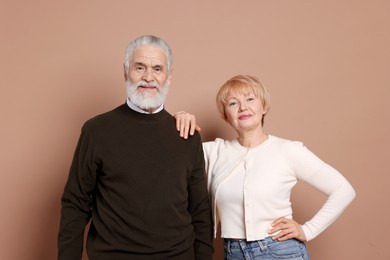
(148, 77)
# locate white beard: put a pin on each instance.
(144, 100)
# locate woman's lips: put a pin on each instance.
(243, 117)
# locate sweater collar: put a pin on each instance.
(139, 110)
(239, 147)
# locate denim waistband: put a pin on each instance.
(266, 240)
(239, 243)
(288, 249)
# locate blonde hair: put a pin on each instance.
(242, 84)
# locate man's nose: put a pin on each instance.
(148, 75)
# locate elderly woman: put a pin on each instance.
(250, 179)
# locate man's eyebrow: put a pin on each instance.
(137, 63)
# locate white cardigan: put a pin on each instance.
(256, 185)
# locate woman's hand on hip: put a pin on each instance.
(287, 229)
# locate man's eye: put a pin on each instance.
(140, 68)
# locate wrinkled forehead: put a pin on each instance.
(149, 55)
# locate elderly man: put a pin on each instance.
(141, 185)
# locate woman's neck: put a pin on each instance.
(253, 139)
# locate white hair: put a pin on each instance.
(147, 40)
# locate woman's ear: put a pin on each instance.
(265, 109)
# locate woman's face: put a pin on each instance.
(244, 112)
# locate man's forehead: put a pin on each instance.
(149, 54)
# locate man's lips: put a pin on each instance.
(148, 87)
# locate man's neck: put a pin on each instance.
(144, 111)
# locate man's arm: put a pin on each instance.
(76, 201)
(199, 207)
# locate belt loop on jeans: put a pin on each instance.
(228, 246)
(262, 244)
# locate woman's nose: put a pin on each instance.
(242, 107)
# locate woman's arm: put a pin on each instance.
(186, 124)
(312, 170)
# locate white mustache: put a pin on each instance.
(147, 84)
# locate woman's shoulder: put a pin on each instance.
(286, 143)
(219, 145)
(217, 142)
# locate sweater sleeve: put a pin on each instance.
(207, 148)
(199, 208)
(76, 200)
(328, 180)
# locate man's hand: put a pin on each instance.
(186, 124)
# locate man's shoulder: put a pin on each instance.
(104, 118)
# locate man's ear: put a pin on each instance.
(125, 72)
(170, 76)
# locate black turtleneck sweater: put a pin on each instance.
(144, 187)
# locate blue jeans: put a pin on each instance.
(265, 249)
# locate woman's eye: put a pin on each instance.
(250, 99)
(232, 104)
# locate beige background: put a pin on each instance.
(326, 64)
